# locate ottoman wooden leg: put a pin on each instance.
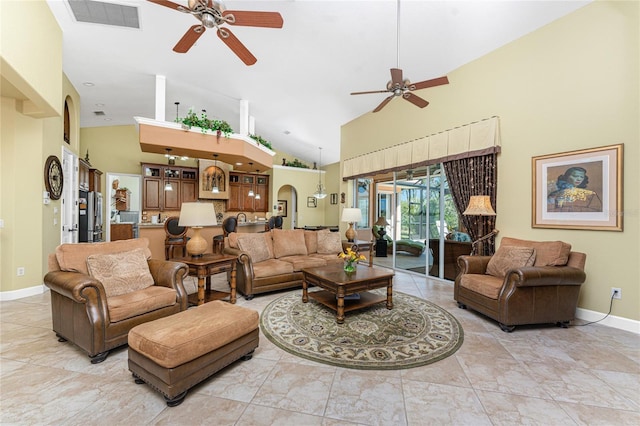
(174, 402)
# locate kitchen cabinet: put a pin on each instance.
(83, 175)
(183, 182)
(95, 180)
(121, 231)
(239, 186)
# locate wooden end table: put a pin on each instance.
(337, 284)
(205, 266)
(362, 246)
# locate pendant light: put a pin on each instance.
(257, 193)
(215, 188)
(168, 186)
(320, 192)
(251, 193)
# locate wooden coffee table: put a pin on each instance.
(337, 284)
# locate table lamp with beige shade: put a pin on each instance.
(351, 216)
(480, 205)
(196, 216)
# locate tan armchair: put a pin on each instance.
(97, 316)
(525, 282)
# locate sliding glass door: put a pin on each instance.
(417, 205)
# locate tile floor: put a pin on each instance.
(535, 375)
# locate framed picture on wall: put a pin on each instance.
(281, 208)
(213, 173)
(578, 189)
(334, 198)
(312, 202)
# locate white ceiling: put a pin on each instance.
(305, 71)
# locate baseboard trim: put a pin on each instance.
(610, 321)
(23, 292)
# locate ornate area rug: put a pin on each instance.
(414, 333)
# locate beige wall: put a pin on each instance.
(564, 87)
(33, 92)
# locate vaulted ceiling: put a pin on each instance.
(299, 89)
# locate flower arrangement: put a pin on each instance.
(350, 259)
(205, 123)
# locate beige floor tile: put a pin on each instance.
(367, 398)
(297, 387)
(201, 410)
(436, 404)
(588, 415)
(506, 409)
(447, 372)
(256, 415)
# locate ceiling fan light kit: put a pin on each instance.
(213, 14)
(399, 87)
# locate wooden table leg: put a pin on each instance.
(340, 303)
(232, 295)
(305, 294)
(202, 275)
(390, 294)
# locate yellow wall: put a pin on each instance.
(571, 85)
(32, 100)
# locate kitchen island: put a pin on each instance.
(154, 232)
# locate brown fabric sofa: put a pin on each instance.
(525, 282)
(96, 314)
(273, 260)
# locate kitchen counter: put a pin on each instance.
(156, 235)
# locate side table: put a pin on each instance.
(361, 246)
(205, 266)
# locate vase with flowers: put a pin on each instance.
(351, 259)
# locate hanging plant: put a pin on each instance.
(193, 120)
(261, 141)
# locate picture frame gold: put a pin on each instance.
(578, 189)
(206, 169)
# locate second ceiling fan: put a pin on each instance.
(399, 87)
(212, 13)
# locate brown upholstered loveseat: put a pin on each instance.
(96, 310)
(273, 260)
(525, 282)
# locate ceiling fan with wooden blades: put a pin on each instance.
(399, 87)
(213, 14)
(403, 88)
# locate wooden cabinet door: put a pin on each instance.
(262, 188)
(151, 193)
(83, 175)
(171, 198)
(95, 180)
(188, 191)
(235, 193)
(121, 231)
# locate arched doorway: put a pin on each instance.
(286, 205)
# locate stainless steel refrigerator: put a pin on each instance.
(90, 217)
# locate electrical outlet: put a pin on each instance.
(20, 271)
(616, 293)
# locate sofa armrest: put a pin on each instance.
(473, 264)
(531, 276)
(171, 275)
(75, 285)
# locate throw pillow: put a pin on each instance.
(548, 253)
(255, 246)
(121, 273)
(510, 257)
(311, 240)
(288, 242)
(329, 243)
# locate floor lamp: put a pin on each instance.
(480, 205)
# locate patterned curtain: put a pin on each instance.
(475, 176)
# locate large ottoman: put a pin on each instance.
(175, 353)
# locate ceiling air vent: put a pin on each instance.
(97, 12)
(98, 113)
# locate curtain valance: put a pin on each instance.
(477, 138)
